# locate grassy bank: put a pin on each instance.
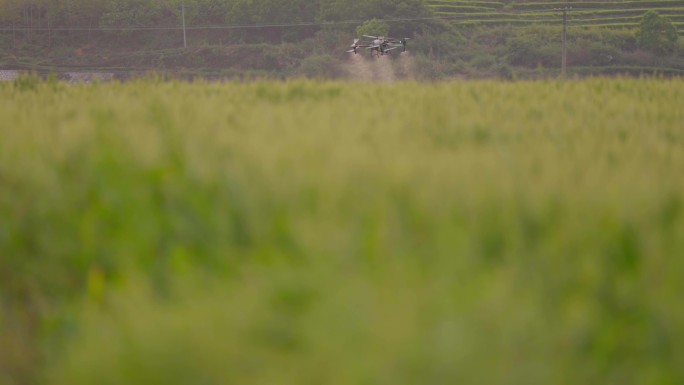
(304, 232)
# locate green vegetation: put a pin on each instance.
(305, 232)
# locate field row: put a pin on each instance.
(598, 4)
(596, 23)
(532, 6)
(469, 11)
(549, 4)
(576, 20)
(619, 22)
(610, 14)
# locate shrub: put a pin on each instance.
(319, 66)
(483, 61)
(504, 71)
(680, 48)
(428, 69)
(534, 46)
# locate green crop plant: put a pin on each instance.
(342, 233)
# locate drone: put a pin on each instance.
(381, 45)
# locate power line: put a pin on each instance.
(278, 25)
(459, 18)
(203, 27)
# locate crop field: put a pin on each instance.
(309, 232)
(611, 14)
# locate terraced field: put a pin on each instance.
(616, 14)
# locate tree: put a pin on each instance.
(76, 12)
(274, 12)
(11, 11)
(373, 27)
(657, 34)
(200, 12)
(138, 13)
(340, 10)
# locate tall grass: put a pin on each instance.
(305, 232)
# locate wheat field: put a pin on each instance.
(306, 232)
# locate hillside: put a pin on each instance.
(235, 38)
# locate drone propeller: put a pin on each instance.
(354, 46)
(375, 37)
(403, 42)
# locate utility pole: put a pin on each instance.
(185, 40)
(564, 46)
